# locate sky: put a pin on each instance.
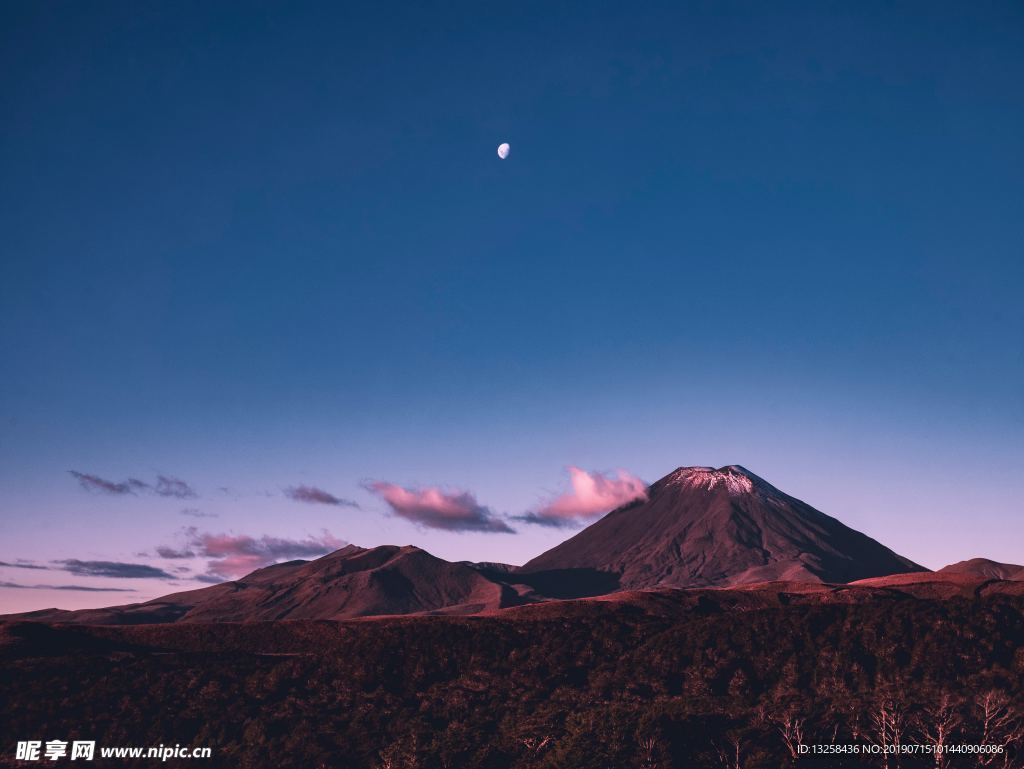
(266, 286)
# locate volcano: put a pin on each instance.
(701, 527)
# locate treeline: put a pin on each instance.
(600, 685)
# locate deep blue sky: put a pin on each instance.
(266, 244)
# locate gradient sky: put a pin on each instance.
(265, 246)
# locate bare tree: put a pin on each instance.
(887, 725)
(729, 753)
(936, 724)
(791, 729)
(1002, 726)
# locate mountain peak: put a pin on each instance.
(735, 479)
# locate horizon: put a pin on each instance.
(235, 551)
(268, 285)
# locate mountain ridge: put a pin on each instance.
(347, 583)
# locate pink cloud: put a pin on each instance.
(236, 555)
(234, 566)
(592, 495)
(437, 509)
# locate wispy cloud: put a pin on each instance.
(236, 555)
(112, 569)
(194, 512)
(313, 495)
(438, 509)
(83, 588)
(169, 552)
(165, 486)
(169, 486)
(94, 483)
(592, 495)
(23, 565)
